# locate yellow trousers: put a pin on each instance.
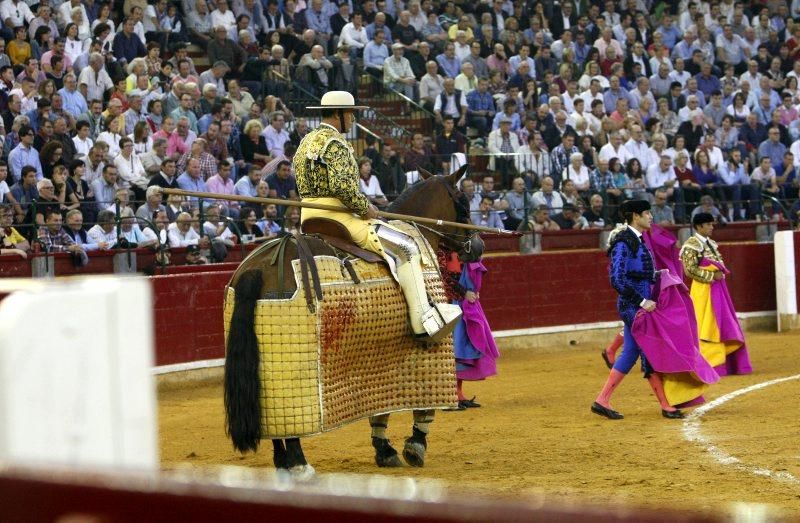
(361, 230)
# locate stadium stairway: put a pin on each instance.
(389, 117)
(199, 57)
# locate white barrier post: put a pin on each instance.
(76, 387)
(785, 284)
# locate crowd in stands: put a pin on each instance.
(579, 105)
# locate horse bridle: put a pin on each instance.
(468, 245)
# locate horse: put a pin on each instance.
(263, 276)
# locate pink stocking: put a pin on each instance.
(616, 343)
(658, 389)
(615, 377)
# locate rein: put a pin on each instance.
(459, 242)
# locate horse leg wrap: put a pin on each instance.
(379, 424)
(423, 419)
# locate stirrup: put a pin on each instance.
(439, 321)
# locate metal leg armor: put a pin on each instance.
(430, 322)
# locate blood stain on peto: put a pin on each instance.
(335, 320)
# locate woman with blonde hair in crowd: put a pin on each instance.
(669, 120)
(642, 114)
(254, 146)
(592, 72)
(246, 42)
(84, 30)
(577, 172)
(568, 60)
(111, 136)
(130, 171)
(138, 66)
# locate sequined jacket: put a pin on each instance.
(325, 167)
(631, 273)
(692, 252)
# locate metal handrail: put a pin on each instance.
(417, 106)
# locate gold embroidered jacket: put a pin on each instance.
(692, 252)
(325, 167)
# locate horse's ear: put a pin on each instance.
(423, 173)
(453, 178)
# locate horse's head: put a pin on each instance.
(440, 198)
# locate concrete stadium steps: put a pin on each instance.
(199, 57)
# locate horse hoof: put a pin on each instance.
(385, 454)
(414, 453)
(302, 472)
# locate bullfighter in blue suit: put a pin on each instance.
(632, 274)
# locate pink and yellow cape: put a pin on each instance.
(721, 339)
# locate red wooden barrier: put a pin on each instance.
(541, 290)
(122, 497)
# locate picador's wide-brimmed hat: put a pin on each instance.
(338, 100)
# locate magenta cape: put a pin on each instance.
(478, 332)
(664, 247)
(738, 361)
(668, 337)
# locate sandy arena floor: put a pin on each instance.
(535, 434)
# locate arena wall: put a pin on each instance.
(547, 290)
(542, 290)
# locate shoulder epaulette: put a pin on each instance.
(692, 243)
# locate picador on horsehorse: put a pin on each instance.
(327, 173)
(317, 324)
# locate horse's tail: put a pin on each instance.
(242, 380)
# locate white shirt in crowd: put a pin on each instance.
(179, 239)
(656, 178)
(82, 147)
(608, 152)
(372, 188)
(354, 37)
(97, 235)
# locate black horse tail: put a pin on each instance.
(242, 380)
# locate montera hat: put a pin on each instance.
(702, 218)
(338, 100)
(635, 206)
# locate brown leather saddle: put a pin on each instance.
(338, 237)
